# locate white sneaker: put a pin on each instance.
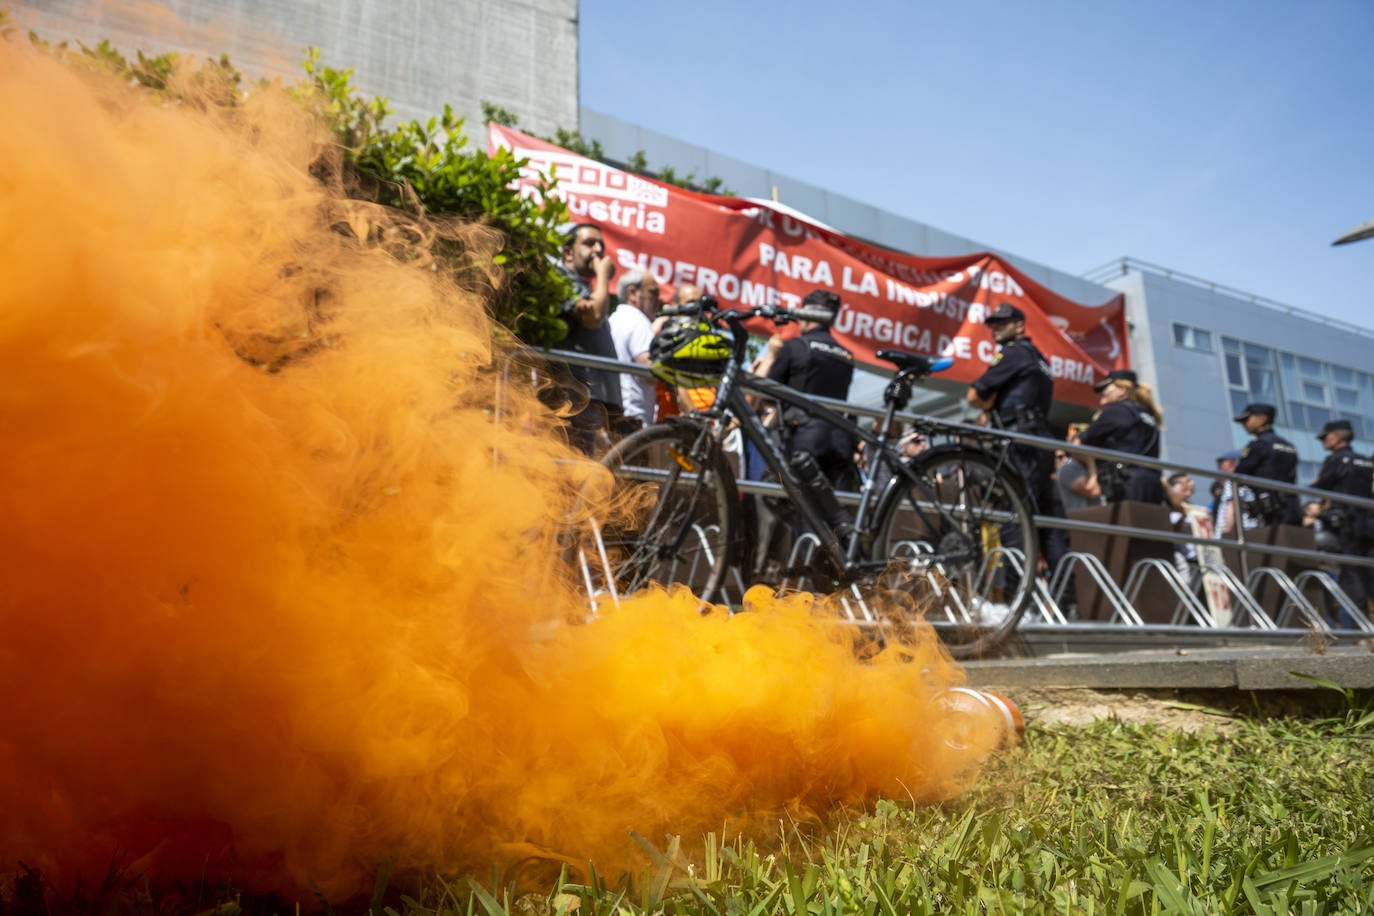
(990, 613)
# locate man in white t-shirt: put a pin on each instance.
(631, 327)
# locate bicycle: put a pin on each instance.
(950, 528)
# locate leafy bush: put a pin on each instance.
(426, 169)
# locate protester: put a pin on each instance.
(1179, 491)
(1128, 422)
(1350, 474)
(589, 270)
(1311, 513)
(672, 400)
(1269, 456)
(1076, 479)
(1223, 494)
(632, 332)
(1015, 393)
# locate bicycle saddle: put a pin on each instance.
(922, 365)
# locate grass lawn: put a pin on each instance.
(1255, 811)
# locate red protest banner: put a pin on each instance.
(747, 252)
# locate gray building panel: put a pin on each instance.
(420, 54)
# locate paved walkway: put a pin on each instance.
(1251, 668)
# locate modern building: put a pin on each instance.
(1207, 350)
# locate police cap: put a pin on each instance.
(1117, 375)
(1256, 410)
(1337, 426)
(1005, 312)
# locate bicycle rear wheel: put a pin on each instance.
(669, 516)
(962, 545)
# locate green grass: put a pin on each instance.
(1273, 814)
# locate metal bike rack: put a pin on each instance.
(1299, 607)
(1241, 596)
(803, 549)
(1324, 581)
(1188, 605)
(1293, 598)
(586, 572)
(1122, 610)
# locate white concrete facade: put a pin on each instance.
(420, 54)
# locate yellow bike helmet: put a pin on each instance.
(690, 355)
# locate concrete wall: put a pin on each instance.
(421, 54)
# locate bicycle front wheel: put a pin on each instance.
(669, 516)
(961, 543)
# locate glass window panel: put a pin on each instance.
(1238, 401)
(1262, 384)
(1356, 423)
(1310, 367)
(1234, 375)
(1345, 397)
(1343, 375)
(1312, 391)
(1230, 345)
(1286, 360)
(1255, 351)
(1202, 339)
(1317, 417)
(1180, 335)
(1295, 415)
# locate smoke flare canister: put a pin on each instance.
(981, 712)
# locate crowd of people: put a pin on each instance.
(1014, 393)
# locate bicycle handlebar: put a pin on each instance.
(709, 308)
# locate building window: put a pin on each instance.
(1191, 338)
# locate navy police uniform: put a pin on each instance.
(1128, 426)
(1272, 457)
(1351, 474)
(816, 363)
(1021, 388)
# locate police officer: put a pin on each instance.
(1129, 421)
(1015, 393)
(1272, 457)
(818, 364)
(1345, 472)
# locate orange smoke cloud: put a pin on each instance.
(284, 625)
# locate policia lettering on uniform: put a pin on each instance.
(1016, 392)
(818, 364)
(1272, 457)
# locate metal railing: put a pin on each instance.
(1190, 614)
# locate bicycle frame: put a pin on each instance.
(731, 404)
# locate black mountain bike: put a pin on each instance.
(951, 530)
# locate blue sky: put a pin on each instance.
(1232, 141)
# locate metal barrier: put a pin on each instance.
(1049, 599)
